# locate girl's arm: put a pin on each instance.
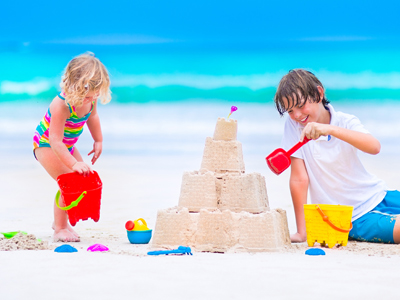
(95, 130)
(298, 188)
(362, 141)
(59, 114)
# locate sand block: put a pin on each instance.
(223, 156)
(237, 192)
(225, 130)
(281, 225)
(198, 191)
(215, 231)
(243, 192)
(222, 231)
(175, 227)
(263, 232)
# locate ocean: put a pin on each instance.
(166, 98)
(169, 73)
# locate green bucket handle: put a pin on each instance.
(73, 203)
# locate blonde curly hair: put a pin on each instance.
(83, 74)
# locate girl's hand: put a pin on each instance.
(82, 168)
(314, 130)
(97, 149)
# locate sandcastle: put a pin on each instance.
(221, 208)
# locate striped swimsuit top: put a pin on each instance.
(72, 129)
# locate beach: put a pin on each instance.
(174, 69)
(146, 150)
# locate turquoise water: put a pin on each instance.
(169, 74)
(166, 99)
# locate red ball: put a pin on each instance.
(129, 225)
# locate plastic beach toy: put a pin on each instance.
(137, 225)
(9, 235)
(65, 249)
(328, 224)
(233, 108)
(139, 237)
(98, 247)
(81, 196)
(181, 250)
(138, 232)
(279, 160)
(315, 251)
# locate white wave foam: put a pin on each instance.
(331, 80)
(254, 82)
(363, 80)
(32, 88)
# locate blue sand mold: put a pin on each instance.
(65, 248)
(315, 251)
(180, 250)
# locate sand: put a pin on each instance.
(358, 270)
(137, 186)
(23, 242)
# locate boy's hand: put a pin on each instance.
(82, 168)
(298, 238)
(97, 149)
(314, 130)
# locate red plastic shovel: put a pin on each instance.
(279, 160)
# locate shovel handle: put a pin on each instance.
(297, 146)
(326, 219)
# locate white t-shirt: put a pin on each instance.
(336, 174)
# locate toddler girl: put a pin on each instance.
(84, 81)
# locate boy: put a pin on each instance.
(328, 167)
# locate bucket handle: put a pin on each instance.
(73, 203)
(326, 219)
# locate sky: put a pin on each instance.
(206, 21)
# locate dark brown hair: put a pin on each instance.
(297, 86)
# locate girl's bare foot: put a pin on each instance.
(69, 228)
(64, 235)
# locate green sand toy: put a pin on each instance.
(9, 235)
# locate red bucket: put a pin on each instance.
(81, 196)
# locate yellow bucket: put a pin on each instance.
(328, 224)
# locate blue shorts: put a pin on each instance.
(378, 224)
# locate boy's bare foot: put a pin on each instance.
(69, 228)
(64, 235)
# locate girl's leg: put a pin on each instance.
(47, 158)
(78, 157)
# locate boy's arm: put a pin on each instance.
(95, 130)
(362, 141)
(298, 188)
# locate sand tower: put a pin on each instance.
(221, 208)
